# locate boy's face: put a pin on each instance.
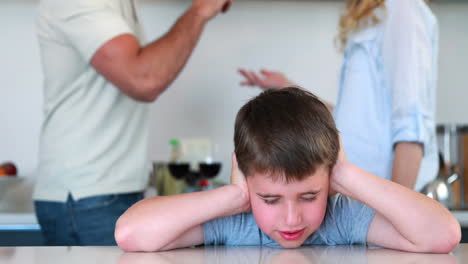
(289, 212)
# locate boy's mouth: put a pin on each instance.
(292, 235)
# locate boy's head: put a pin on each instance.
(287, 133)
(286, 144)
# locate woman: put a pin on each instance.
(386, 102)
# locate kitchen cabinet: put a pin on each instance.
(25, 237)
(20, 229)
(18, 223)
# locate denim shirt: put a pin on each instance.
(387, 89)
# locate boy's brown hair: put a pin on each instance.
(287, 133)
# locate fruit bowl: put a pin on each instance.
(7, 183)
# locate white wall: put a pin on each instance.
(206, 97)
(294, 37)
(452, 93)
(20, 85)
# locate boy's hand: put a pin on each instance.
(338, 171)
(238, 179)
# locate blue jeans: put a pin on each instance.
(86, 222)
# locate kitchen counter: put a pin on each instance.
(114, 255)
(22, 229)
(19, 229)
(9, 219)
(18, 221)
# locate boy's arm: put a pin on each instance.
(163, 223)
(168, 222)
(404, 219)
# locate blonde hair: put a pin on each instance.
(358, 14)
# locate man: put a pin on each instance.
(98, 79)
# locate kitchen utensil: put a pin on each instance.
(452, 140)
(441, 188)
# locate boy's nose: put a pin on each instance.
(294, 216)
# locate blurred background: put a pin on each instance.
(295, 37)
(203, 101)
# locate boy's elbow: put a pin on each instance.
(129, 238)
(453, 238)
(448, 241)
(123, 236)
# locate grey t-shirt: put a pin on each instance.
(346, 222)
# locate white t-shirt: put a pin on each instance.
(93, 138)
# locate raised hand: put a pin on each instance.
(267, 80)
(210, 8)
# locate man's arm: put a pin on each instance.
(404, 220)
(406, 163)
(143, 73)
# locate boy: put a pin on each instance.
(291, 173)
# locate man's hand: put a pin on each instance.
(238, 179)
(268, 80)
(210, 8)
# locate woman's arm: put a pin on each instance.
(266, 79)
(406, 163)
(271, 80)
(409, 62)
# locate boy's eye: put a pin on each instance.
(309, 198)
(270, 201)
